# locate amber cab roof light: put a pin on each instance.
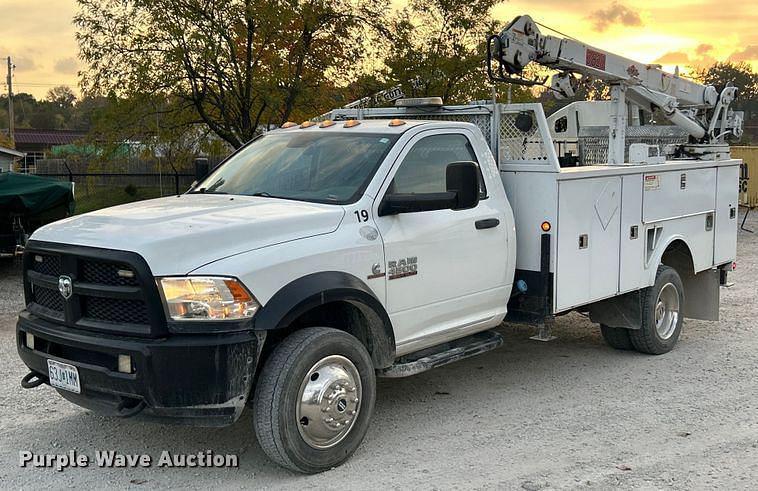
(397, 122)
(289, 124)
(351, 123)
(307, 124)
(326, 123)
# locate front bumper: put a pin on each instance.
(197, 379)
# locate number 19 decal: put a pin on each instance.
(361, 215)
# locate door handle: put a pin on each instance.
(487, 223)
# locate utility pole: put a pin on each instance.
(10, 100)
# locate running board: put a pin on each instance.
(442, 354)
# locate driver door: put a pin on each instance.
(441, 280)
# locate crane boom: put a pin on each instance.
(700, 109)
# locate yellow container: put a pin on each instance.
(748, 175)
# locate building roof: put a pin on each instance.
(11, 152)
(25, 136)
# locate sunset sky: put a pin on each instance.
(39, 36)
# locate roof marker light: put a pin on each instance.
(397, 122)
(307, 124)
(289, 124)
(326, 123)
(351, 123)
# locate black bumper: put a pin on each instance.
(196, 379)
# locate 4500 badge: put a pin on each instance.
(402, 268)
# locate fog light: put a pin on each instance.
(30, 340)
(124, 363)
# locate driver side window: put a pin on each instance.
(424, 168)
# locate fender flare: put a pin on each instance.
(313, 290)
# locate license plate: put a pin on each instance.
(63, 376)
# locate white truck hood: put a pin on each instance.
(178, 234)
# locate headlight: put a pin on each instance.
(207, 298)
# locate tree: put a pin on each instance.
(241, 64)
(740, 74)
(5, 141)
(62, 96)
(437, 48)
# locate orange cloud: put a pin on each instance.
(750, 53)
(702, 57)
(615, 14)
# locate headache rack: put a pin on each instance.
(520, 133)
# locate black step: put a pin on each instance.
(442, 354)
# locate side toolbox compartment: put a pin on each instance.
(727, 194)
(587, 260)
(680, 203)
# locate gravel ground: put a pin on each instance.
(571, 413)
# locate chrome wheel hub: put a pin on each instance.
(330, 401)
(667, 311)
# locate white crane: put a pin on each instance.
(699, 109)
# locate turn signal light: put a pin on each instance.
(289, 124)
(545, 226)
(397, 122)
(307, 124)
(351, 123)
(326, 123)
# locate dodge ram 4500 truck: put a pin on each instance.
(387, 241)
(321, 256)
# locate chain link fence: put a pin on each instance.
(161, 177)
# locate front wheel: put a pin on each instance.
(314, 399)
(661, 314)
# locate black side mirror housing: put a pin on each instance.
(461, 181)
(462, 178)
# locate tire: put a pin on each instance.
(662, 318)
(335, 368)
(616, 337)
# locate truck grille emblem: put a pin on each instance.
(65, 287)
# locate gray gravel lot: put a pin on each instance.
(571, 413)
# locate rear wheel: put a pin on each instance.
(616, 337)
(314, 399)
(661, 314)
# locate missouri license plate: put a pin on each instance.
(63, 376)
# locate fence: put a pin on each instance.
(165, 178)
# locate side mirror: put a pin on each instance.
(462, 178)
(461, 181)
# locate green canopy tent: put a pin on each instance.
(28, 202)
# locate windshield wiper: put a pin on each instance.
(205, 191)
(264, 194)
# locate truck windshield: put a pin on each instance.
(319, 167)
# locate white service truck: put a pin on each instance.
(378, 242)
